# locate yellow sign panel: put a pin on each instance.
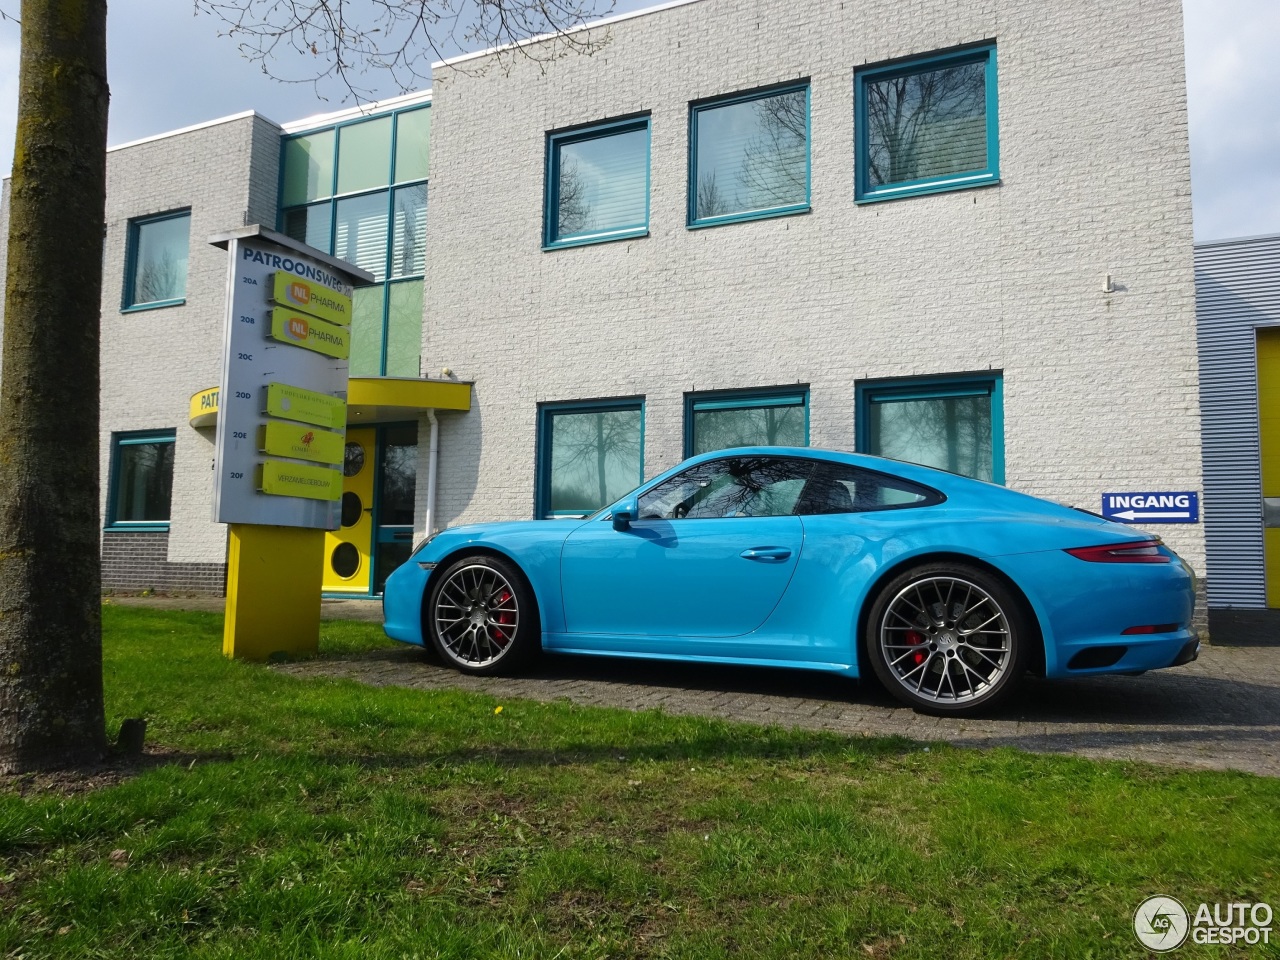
(305, 406)
(298, 480)
(291, 290)
(310, 333)
(302, 442)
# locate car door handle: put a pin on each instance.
(766, 554)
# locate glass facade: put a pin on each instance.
(359, 192)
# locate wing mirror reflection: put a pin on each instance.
(626, 511)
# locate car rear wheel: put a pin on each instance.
(948, 639)
(481, 616)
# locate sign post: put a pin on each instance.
(281, 434)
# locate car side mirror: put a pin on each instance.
(625, 512)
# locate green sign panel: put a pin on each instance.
(305, 406)
(309, 333)
(305, 443)
(291, 290)
(299, 480)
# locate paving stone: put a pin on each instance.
(1221, 712)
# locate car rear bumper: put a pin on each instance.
(1085, 609)
(1127, 654)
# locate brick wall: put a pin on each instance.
(133, 561)
(1100, 387)
(226, 172)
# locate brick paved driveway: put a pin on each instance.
(1221, 712)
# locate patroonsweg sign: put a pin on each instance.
(1152, 507)
(284, 384)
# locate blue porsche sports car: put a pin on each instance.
(947, 589)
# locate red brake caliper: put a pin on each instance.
(916, 639)
(504, 618)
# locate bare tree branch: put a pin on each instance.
(316, 41)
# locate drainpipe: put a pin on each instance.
(433, 463)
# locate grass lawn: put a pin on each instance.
(321, 818)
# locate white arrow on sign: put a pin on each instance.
(1134, 515)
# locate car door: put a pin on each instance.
(710, 555)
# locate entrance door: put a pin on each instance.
(1269, 435)
(348, 566)
(397, 486)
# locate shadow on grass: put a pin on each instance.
(112, 770)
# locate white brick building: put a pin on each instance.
(721, 227)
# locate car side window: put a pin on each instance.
(841, 488)
(733, 487)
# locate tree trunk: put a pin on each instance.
(51, 712)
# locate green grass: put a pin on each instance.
(321, 818)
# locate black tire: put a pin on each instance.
(949, 639)
(481, 616)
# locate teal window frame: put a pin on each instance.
(989, 175)
(693, 221)
(742, 400)
(126, 439)
(989, 383)
(547, 413)
(333, 197)
(551, 192)
(128, 302)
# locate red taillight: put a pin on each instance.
(1145, 551)
(1149, 628)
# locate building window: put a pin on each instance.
(156, 262)
(359, 192)
(952, 423)
(597, 185)
(740, 418)
(589, 455)
(749, 156)
(927, 125)
(141, 483)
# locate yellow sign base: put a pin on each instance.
(273, 591)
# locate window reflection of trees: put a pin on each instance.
(160, 277)
(772, 169)
(410, 219)
(399, 479)
(574, 209)
(757, 426)
(775, 161)
(146, 482)
(747, 486)
(926, 124)
(595, 458)
(950, 433)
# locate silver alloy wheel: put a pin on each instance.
(476, 615)
(946, 640)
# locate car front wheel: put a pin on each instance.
(481, 615)
(948, 639)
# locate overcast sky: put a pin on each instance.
(168, 69)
